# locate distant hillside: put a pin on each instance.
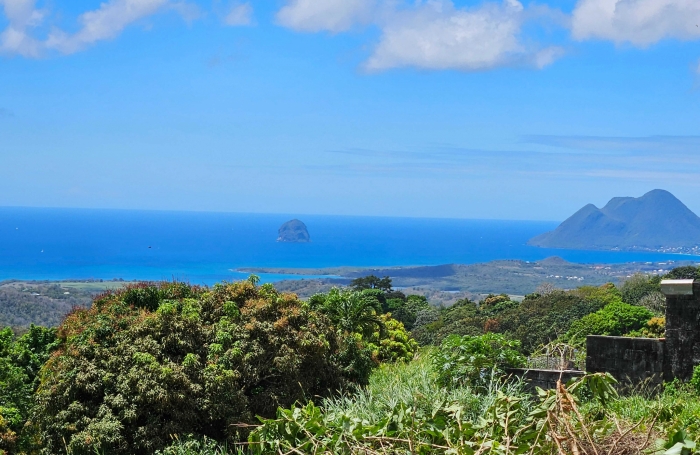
(657, 221)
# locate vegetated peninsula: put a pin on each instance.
(657, 221)
(293, 231)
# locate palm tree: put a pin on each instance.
(351, 311)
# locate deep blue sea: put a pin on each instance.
(204, 248)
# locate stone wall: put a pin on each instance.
(683, 330)
(629, 360)
(544, 379)
(635, 360)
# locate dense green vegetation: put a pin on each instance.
(23, 304)
(242, 368)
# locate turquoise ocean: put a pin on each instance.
(207, 247)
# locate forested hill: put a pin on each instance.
(657, 221)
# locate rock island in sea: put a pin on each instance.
(293, 231)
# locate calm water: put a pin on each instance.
(204, 247)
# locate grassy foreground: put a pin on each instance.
(404, 410)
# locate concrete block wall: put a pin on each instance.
(629, 360)
(682, 327)
(544, 379)
(635, 360)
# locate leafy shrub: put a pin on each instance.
(654, 302)
(687, 272)
(350, 311)
(20, 361)
(496, 304)
(695, 380)
(615, 319)
(192, 445)
(8, 438)
(655, 328)
(462, 318)
(541, 319)
(402, 410)
(424, 329)
(638, 286)
(394, 344)
(474, 360)
(158, 360)
(408, 310)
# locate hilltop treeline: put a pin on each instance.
(156, 367)
(22, 304)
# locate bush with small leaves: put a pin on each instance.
(394, 344)
(475, 360)
(638, 286)
(161, 359)
(695, 380)
(614, 319)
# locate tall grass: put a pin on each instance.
(414, 386)
(408, 399)
(191, 445)
(675, 407)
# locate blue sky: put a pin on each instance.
(432, 108)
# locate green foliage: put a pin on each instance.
(541, 319)
(680, 444)
(23, 304)
(407, 311)
(394, 344)
(687, 272)
(635, 288)
(402, 410)
(695, 380)
(350, 311)
(20, 361)
(358, 313)
(614, 319)
(462, 318)
(494, 305)
(371, 282)
(425, 326)
(159, 360)
(654, 328)
(475, 360)
(193, 445)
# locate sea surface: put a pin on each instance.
(206, 247)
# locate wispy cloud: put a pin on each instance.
(22, 17)
(326, 15)
(634, 164)
(239, 14)
(669, 144)
(639, 22)
(104, 23)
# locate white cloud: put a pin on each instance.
(325, 15)
(104, 23)
(437, 35)
(639, 22)
(239, 14)
(22, 15)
